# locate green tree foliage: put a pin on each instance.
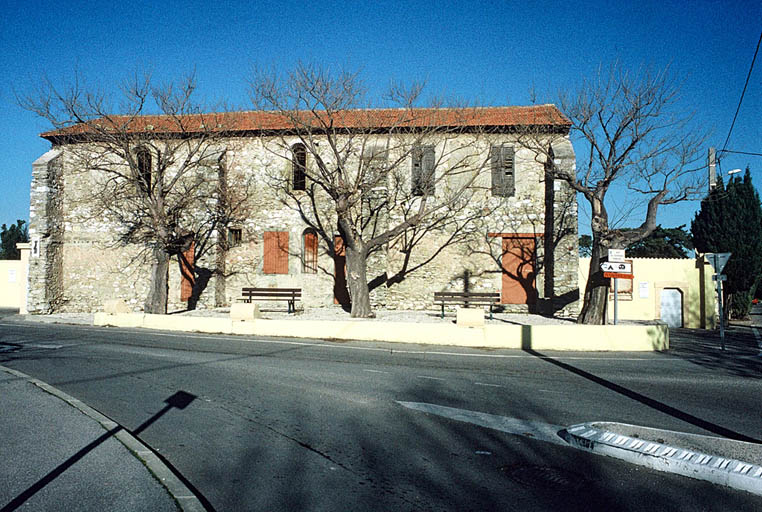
(663, 243)
(585, 246)
(730, 220)
(10, 236)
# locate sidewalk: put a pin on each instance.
(58, 454)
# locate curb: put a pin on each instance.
(733, 473)
(184, 497)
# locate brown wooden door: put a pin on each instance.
(187, 279)
(519, 271)
(340, 292)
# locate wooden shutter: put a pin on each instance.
(275, 260)
(427, 174)
(310, 252)
(187, 261)
(422, 178)
(496, 164)
(509, 174)
(415, 178)
(299, 164)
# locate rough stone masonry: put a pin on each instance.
(78, 263)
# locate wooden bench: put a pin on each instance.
(271, 294)
(467, 299)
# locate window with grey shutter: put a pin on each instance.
(503, 171)
(422, 179)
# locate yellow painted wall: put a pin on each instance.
(652, 275)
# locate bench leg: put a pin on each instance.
(442, 311)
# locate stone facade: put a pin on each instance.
(79, 263)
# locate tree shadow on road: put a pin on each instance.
(741, 356)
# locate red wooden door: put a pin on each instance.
(340, 292)
(518, 271)
(187, 262)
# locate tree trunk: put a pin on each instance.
(596, 290)
(156, 302)
(357, 283)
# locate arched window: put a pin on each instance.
(309, 251)
(143, 158)
(299, 166)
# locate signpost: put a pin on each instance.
(617, 268)
(718, 261)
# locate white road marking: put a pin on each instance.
(374, 371)
(532, 429)
(488, 385)
(430, 378)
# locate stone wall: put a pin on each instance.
(46, 231)
(81, 265)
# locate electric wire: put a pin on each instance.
(748, 76)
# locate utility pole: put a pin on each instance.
(712, 166)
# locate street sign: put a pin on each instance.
(616, 255)
(718, 260)
(719, 277)
(621, 268)
(617, 275)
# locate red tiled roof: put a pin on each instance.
(263, 121)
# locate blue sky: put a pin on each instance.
(490, 53)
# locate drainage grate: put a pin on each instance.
(545, 477)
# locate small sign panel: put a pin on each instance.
(643, 290)
(11, 275)
(35, 247)
(616, 255)
(622, 268)
(718, 260)
(617, 275)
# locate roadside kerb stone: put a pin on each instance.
(676, 457)
(186, 500)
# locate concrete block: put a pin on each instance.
(470, 317)
(242, 311)
(115, 306)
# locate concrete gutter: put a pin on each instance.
(536, 337)
(722, 461)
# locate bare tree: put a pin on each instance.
(155, 168)
(630, 132)
(383, 179)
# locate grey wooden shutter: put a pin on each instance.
(416, 174)
(509, 171)
(496, 157)
(427, 174)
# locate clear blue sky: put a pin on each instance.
(490, 53)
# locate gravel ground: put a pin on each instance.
(416, 316)
(331, 314)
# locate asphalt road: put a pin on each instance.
(315, 425)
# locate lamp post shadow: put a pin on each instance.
(180, 400)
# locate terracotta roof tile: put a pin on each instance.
(259, 121)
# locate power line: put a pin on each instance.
(740, 152)
(742, 93)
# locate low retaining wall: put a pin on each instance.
(535, 337)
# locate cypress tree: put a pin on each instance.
(730, 220)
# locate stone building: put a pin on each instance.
(522, 241)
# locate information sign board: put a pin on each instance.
(616, 255)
